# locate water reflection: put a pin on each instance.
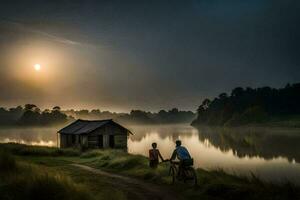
(272, 154)
(30, 136)
(263, 142)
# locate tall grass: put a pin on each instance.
(121, 162)
(42, 186)
(25, 181)
(7, 162)
(25, 150)
(219, 184)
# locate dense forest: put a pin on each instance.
(31, 115)
(249, 106)
(137, 116)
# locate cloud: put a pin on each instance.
(158, 55)
(26, 28)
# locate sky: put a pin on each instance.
(149, 55)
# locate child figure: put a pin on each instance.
(154, 156)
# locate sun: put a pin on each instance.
(37, 67)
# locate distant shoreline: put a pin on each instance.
(288, 123)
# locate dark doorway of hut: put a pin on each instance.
(100, 141)
(111, 141)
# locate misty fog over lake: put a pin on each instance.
(270, 153)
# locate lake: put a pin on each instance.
(272, 154)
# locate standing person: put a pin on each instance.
(154, 156)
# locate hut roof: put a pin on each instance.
(86, 126)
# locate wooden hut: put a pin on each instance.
(94, 134)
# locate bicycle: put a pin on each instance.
(187, 175)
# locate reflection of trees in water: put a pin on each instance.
(264, 142)
(171, 132)
(29, 135)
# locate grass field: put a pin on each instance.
(46, 172)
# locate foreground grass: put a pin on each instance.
(212, 185)
(34, 165)
(26, 150)
(19, 180)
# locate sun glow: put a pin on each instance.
(37, 67)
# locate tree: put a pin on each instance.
(31, 116)
(30, 107)
(205, 103)
(249, 105)
(223, 96)
(56, 108)
(237, 92)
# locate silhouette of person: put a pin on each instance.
(183, 155)
(154, 156)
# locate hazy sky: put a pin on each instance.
(122, 55)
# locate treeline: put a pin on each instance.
(31, 115)
(248, 105)
(137, 116)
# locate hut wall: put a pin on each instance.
(93, 141)
(63, 141)
(69, 140)
(108, 136)
(84, 141)
(105, 141)
(121, 141)
(77, 141)
(119, 137)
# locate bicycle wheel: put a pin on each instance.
(172, 173)
(191, 176)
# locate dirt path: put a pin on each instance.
(139, 189)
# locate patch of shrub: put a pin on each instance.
(25, 150)
(105, 158)
(92, 153)
(127, 162)
(7, 162)
(30, 182)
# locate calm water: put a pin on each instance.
(272, 154)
